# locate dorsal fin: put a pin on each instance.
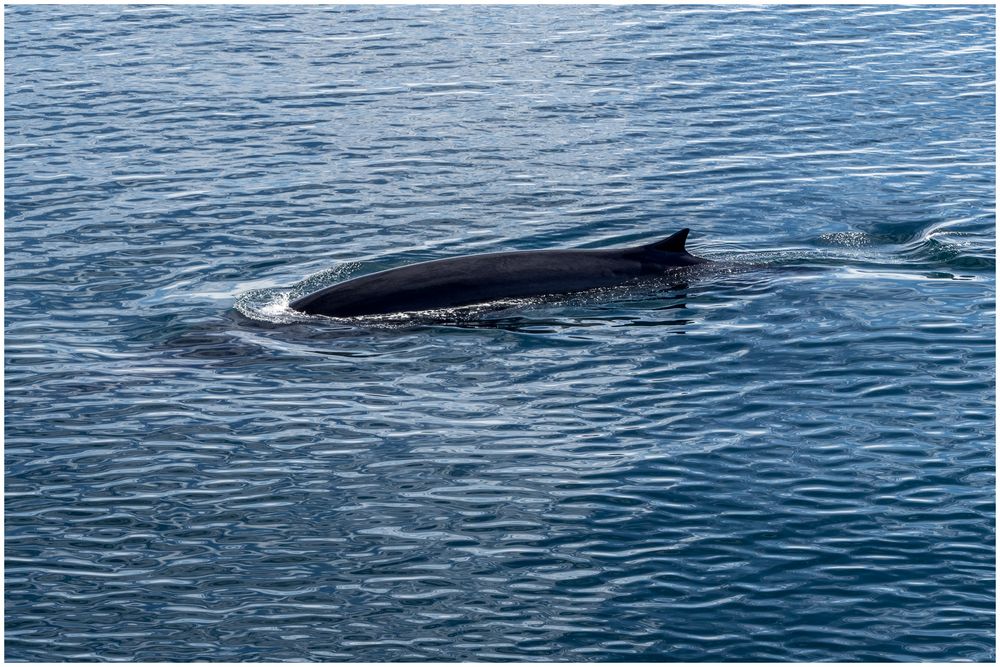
(674, 243)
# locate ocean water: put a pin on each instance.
(786, 455)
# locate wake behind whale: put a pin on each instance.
(474, 279)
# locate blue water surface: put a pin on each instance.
(786, 456)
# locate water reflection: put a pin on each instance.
(805, 472)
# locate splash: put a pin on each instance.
(267, 305)
(851, 239)
(271, 304)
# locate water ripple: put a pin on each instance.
(784, 456)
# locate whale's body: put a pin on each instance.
(472, 279)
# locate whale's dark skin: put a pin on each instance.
(462, 281)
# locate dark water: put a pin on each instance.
(788, 456)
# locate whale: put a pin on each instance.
(476, 279)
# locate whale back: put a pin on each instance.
(469, 279)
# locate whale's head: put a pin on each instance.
(670, 252)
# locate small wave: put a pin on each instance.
(267, 305)
(948, 254)
(271, 304)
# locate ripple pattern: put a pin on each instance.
(788, 456)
